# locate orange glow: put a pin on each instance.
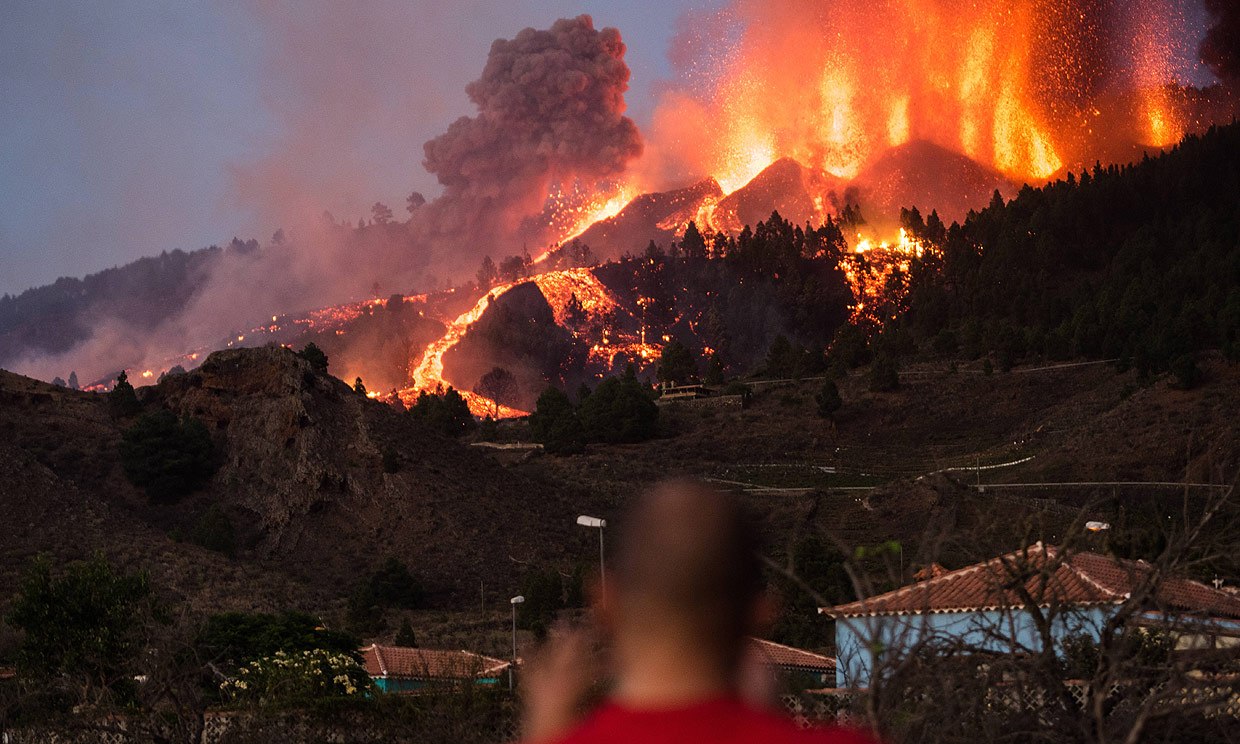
(872, 270)
(1014, 85)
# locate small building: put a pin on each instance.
(668, 391)
(984, 607)
(400, 669)
(804, 668)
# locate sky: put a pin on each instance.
(135, 126)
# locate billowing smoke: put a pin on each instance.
(550, 109)
(1220, 49)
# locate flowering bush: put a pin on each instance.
(298, 677)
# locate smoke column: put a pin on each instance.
(550, 109)
(1220, 49)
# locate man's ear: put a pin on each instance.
(763, 613)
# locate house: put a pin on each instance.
(985, 608)
(808, 669)
(399, 669)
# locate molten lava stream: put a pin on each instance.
(558, 287)
(428, 375)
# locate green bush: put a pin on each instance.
(89, 623)
(828, 399)
(235, 638)
(391, 585)
(214, 531)
(884, 375)
(298, 678)
(166, 457)
(313, 354)
(390, 462)
(555, 424)
(445, 412)
(619, 410)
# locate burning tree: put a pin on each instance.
(500, 386)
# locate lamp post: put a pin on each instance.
(514, 602)
(585, 521)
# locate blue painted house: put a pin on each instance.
(986, 608)
(400, 669)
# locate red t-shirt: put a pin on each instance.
(720, 721)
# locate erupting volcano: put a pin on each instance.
(816, 109)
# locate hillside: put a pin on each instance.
(300, 475)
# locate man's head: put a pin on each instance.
(686, 572)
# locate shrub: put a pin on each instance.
(237, 637)
(828, 399)
(167, 457)
(555, 424)
(285, 678)
(313, 354)
(88, 623)
(1187, 374)
(884, 376)
(390, 462)
(214, 531)
(445, 412)
(620, 410)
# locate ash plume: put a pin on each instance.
(550, 109)
(1220, 49)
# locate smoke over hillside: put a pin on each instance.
(551, 107)
(550, 110)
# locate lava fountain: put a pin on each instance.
(1028, 87)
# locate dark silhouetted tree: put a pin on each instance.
(884, 375)
(380, 214)
(404, 635)
(313, 354)
(122, 400)
(167, 457)
(693, 244)
(828, 399)
(500, 386)
(487, 274)
(714, 370)
(676, 364)
(554, 423)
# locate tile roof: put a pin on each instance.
(1050, 576)
(423, 663)
(779, 655)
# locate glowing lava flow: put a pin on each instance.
(558, 287)
(428, 375)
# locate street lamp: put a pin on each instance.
(514, 602)
(1097, 526)
(585, 521)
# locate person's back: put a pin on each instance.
(724, 720)
(685, 592)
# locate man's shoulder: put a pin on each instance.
(718, 724)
